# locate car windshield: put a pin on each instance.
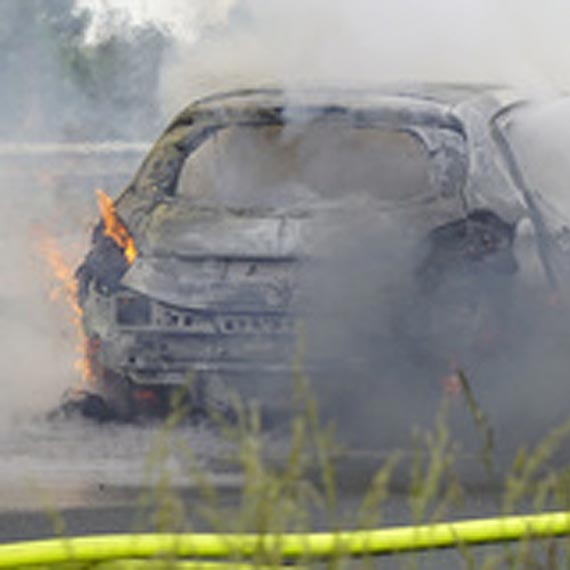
(539, 137)
(284, 165)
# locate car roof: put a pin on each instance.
(446, 94)
(432, 101)
(460, 107)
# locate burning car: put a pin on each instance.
(208, 268)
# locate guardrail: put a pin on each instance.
(70, 167)
(23, 149)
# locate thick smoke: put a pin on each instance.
(38, 341)
(290, 44)
(179, 18)
(394, 295)
(57, 94)
(286, 43)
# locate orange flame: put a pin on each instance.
(67, 288)
(114, 227)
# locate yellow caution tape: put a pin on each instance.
(287, 547)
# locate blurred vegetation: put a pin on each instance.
(288, 482)
(57, 86)
(298, 492)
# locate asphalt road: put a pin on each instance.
(101, 475)
(72, 477)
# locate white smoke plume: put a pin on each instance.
(224, 44)
(184, 20)
(284, 42)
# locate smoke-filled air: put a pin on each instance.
(384, 333)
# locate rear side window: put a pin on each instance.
(539, 137)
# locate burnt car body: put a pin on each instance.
(215, 297)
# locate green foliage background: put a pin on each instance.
(56, 86)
